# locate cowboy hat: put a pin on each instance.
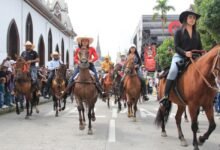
(132, 45)
(28, 43)
(54, 53)
(184, 14)
(80, 38)
(107, 57)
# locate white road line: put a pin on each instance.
(111, 135)
(114, 113)
(148, 113)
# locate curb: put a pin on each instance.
(13, 108)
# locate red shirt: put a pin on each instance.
(92, 55)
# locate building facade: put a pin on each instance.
(150, 31)
(46, 25)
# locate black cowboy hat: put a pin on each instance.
(184, 14)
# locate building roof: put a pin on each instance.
(42, 7)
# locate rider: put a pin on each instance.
(186, 39)
(84, 42)
(134, 53)
(32, 58)
(106, 65)
(52, 65)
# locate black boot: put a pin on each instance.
(100, 90)
(165, 100)
(68, 88)
(144, 90)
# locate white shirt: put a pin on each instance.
(53, 64)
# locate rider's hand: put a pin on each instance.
(29, 62)
(90, 61)
(188, 54)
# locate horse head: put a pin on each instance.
(130, 66)
(84, 58)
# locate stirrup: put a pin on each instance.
(163, 100)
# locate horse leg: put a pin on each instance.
(194, 125)
(64, 104)
(27, 107)
(212, 125)
(59, 104)
(178, 118)
(83, 115)
(81, 125)
(185, 116)
(55, 105)
(90, 118)
(93, 114)
(17, 108)
(135, 110)
(108, 102)
(119, 104)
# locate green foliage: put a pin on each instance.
(208, 37)
(164, 57)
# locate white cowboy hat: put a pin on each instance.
(132, 45)
(28, 43)
(80, 38)
(54, 53)
(12, 61)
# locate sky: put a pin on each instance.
(114, 21)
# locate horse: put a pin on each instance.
(107, 84)
(132, 87)
(58, 86)
(197, 86)
(23, 86)
(117, 76)
(85, 91)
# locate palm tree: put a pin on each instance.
(162, 8)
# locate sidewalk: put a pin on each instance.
(11, 109)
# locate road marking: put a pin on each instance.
(114, 113)
(148, 113)
(111, 135)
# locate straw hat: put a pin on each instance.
(184, 14)
(107, 57)
(54, 53)
(80, 38)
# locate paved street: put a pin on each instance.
(112, 130)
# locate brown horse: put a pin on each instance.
(85, 91)
(58, 87)
(107, 85)
(23, 86)
(132, 87)
(197, 86)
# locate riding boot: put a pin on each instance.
(68, 88)
(144, 90)
(165, 100)
(100, 90)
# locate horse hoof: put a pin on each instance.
(164, 134)
(37, 111)
(183, 143)
(63, 108)
(18, 112)
(90, 132)
(81, 127)
(201, 141)
(196, 148)
(56, 115)
(93, 118)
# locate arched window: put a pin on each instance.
(62, 50)
(41, 51)
(57, 48)
(29, 28)
(67, 59)
(50, 44)
(13, 41)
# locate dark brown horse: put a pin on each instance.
(85, 91)
(58, 87)
(107, 85)
(197, 86)
(132, 87)
(23, 86)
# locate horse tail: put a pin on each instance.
(163, 114)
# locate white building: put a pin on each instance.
(45, 24)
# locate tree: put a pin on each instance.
(164, 56)
(162, 8)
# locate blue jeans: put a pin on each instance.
(217, 103)
(33, 71)
(1, 99)
(76, 71)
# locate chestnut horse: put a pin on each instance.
(197, 86)
(107, 85)
(85, 91)
(23, 86)
(132, 86)
(58, 86)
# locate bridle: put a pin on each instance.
(215, 71)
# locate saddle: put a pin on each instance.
(182, 66)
